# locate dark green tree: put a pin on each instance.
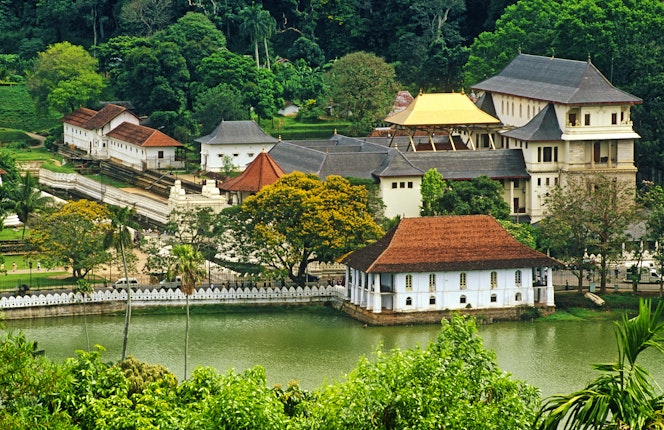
(480, 195)
(257, 24)
(222, 102)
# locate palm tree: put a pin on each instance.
(85, 288)
(119, 237)
(189, 266)
(258, 24)
(624, 396)
(27, 199)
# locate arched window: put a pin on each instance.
(494, 298)
(432, 300)
(462, 299)
(409, 301)
(494, 280)
(517, 297)
(462, 281)
(409, 282)
(517, 278)
(432, 282)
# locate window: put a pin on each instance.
(517, 297)
(394, 184)
(572, 119)
(409, 282)
(410, 185)
(586, 119)
(494, 298)
(462, 281)
(160, 154)
(547, 182)
(517, 278)
(494, 280)
(539, 182)
(614, 118)
(432, 300)
(402, 185)
(250, 154)
(409, 301)
(236, 155)
(516, 183)
(462, 299)
(432, 282)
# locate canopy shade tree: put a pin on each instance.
(299, 220)
(588, 215)
(362, 88)
(27, 198)
(73, 236)
(64, 77)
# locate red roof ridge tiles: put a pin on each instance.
(446, 243)
(262, 171)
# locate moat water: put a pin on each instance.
(313, 347)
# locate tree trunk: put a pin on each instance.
(258, 64)
(128, 308)
(580, 286)
(186, 338)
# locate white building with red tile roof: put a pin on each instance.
(447, 263)
(114, 133)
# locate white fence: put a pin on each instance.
(160, 297)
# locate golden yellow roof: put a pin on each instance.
(441, 109)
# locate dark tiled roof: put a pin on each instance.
(556, 80)
(397, 164)
(234, 132)
(104, 116)
(79, 117)
(542, 128)
(142, 136)
(351, 165)
(460, 165)
(262, 171)
(450, 243)
(293, 157)
(485, 103)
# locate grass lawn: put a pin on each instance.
(17, 111)
(11, 135)
(290, 128)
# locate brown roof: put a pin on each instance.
(259, 173)
(447, 243)
(142, 136)
(79, 117)
(92, 119)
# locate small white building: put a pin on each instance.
(241, 141)
(143, 148)
(447, 263)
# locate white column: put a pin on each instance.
(549, 287)
(377, 302)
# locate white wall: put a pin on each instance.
(212, 155)
(401, 196)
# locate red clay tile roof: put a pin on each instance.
(79, 117)
(141, 136)
(259, 173)
(92, 119)
(449, 243)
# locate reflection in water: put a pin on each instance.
(312, 347)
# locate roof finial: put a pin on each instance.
(263, 149)
(335, 131)
(279, 138)
(589, 58)
(553, 53)
(420, 91)
(519, 50)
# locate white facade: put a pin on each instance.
(453, 290)
(401, 196)
(141, 158)
(241, 154)
(93, 141)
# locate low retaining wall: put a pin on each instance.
(104, 302)
(483, 316)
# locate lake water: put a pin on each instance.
(317, 346)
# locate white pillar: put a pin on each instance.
(549, 287)
(377, 301)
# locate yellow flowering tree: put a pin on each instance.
(300, 219)
(73, 236)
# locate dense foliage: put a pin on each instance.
(452, 383)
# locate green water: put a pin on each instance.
(314, 347)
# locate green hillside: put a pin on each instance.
(17, 110)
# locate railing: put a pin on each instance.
(164, 296)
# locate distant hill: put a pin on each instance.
(18, 111)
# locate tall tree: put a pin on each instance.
(189, 264)
(144, 17)
(480, 195)
(73, 236)
(589, 214)
(299, 220)
(433, 186)
(28, 199)
(63, 78)
(623, 396)
(119, 237)
(362, 88)
(258, 25)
